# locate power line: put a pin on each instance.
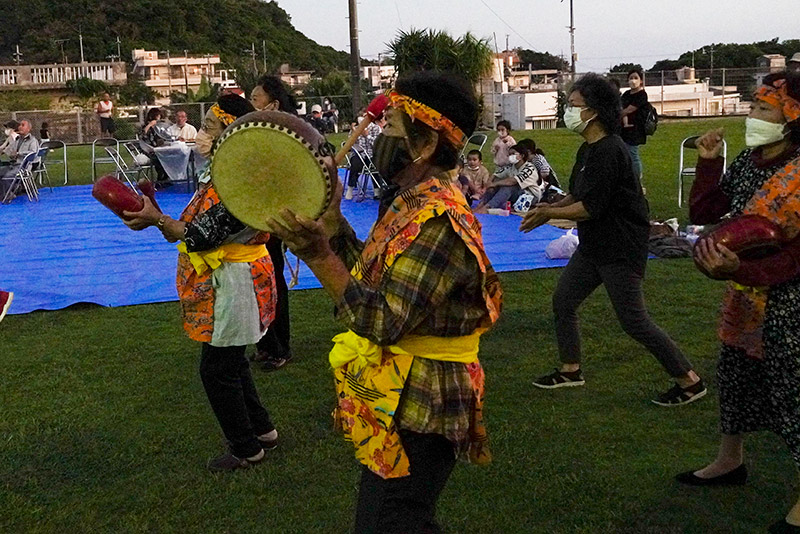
(509, 25)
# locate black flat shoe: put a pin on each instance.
(782, 527)
(736, 477)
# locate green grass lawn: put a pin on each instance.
(105, 427)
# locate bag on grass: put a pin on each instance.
(562, 248)
(524, 203)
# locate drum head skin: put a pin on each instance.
(266, 161)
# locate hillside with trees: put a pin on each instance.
(200, 26)
(730, 55)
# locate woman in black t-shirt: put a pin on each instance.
(634, 103)
(606, 199)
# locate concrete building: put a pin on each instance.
(294, 78)
(167, 72)
(379, 76)
(55, 76)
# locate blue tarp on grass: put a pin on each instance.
(67, 248)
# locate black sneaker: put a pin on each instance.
(268, 444)
(678, 396)
(228, 462)
(273, 363)
(560, 379)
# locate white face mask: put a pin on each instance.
(573, 121)
(513, 159)
(760, 132)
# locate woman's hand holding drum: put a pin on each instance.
(139, 220)
(718, 261)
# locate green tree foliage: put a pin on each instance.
(437, 50)
(135, 92)
(336, 86)
(21, 100)
(86, 88)
(225, 26)
(730, 55)
(626, 67)
(206, 92)
(541, 60)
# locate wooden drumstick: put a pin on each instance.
(374, 111)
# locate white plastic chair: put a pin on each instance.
(690, 143)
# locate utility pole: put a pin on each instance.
(61, 42)
(355, 58)
(119, 49)
(264, 49)
(507, 36)
(80, 38)
(186, 70)
(169, 73)
(17, 56)
(572, 38)
(253, 55)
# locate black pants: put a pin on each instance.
(356, 168)
(233, 396)
(276, 341)
(406, 505)
(624, 286)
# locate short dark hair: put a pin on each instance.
(638, 71)
(449, 94)
(12, 124)
(476, 153)
(601, 97)
(274, 87)
(524, 149)
(235, 105)
(151, 114)
(505, 124)
(793, 90)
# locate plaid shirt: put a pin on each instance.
(433, 288)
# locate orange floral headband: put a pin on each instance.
(224, 118)
(429, 116)
(777, 95)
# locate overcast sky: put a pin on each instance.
(607, 32)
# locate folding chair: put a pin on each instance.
(38, 168)
(132, 147)
(123, 171)
(23, 176)
(690, 143)
(107, 160)
(369, 174)
(475, 142)
(51, 146)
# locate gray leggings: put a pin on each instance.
(624, 286)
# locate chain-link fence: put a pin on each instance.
(685, 92)
(689, 92)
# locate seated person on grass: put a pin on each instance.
(478, 174)
(510, 182)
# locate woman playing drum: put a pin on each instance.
(759, 365)
(226, 287)
(416, 296)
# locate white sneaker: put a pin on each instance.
(348, 195)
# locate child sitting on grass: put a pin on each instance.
(520, 177)
(477, 174)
